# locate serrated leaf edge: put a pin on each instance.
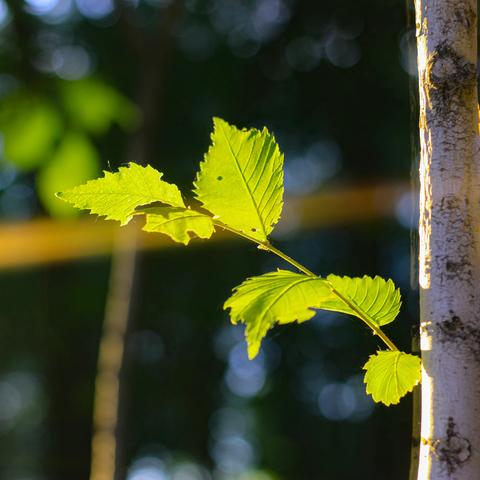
(375, 398)
(217, 121)
(395, 291)
(106, 173)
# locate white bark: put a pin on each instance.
(449, 263)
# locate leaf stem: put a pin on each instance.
(365, 318)
(265, 245)
(289, 259)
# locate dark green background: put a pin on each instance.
(217, 62)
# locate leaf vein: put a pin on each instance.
(245, 183)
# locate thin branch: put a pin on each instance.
(269, 247)
(108, 461)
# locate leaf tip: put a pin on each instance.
(218, 120)
(252, 350)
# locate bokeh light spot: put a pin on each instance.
(4, 13)
(95, 9)
(41, 7)
(71, 62)
(147, 468)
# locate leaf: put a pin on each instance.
(178, 223)
(276, 297)
(117, 195)
(391, 374)
(375, 297)
(284, 296)
(95, 105)
(241, 179)
(74, 162)
(30, 127)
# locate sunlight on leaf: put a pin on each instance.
(276, 297)
(375, 297)
(178, 223)
(241, 183)
(283, 297)
(75, 161)
(117, 195)
(241, 179)
(391, 374)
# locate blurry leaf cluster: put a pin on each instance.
(55, 138)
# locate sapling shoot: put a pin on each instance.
(239, 188)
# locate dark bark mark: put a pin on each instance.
(453, 449)
(451, 215)
(454, 209)
(449, 76)
(465, 15)
(456, 266)
(456, 331)
(460, 268)
(448, 71)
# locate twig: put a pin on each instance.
(110, 386)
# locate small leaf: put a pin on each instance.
(117, 195)
(241, 179)
(276, 297)
(178, 223)
(391, 374)
(375, 297)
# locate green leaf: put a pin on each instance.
(117, 195)
(95, 105)
(74, 162)
(375, 297)
(30, 127)
(276, 297)
(284, 296)
(241, 179)
(178, 223)
(391, 374)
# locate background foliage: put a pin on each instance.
(86, 86)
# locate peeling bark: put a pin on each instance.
(449, 263)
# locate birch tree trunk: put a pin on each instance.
(449, 273)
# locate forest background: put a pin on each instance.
(88, 85)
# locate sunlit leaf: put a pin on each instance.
(241, 179)
(283, 297)
(117, 195)
(180, 224)
(375, 297)
(276, 297)
(74, 162)
(391, 374)
(95, 105)
(30, 128)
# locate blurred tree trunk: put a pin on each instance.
(449, 263)
(110, 404)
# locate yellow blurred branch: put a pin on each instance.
(45, 241)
